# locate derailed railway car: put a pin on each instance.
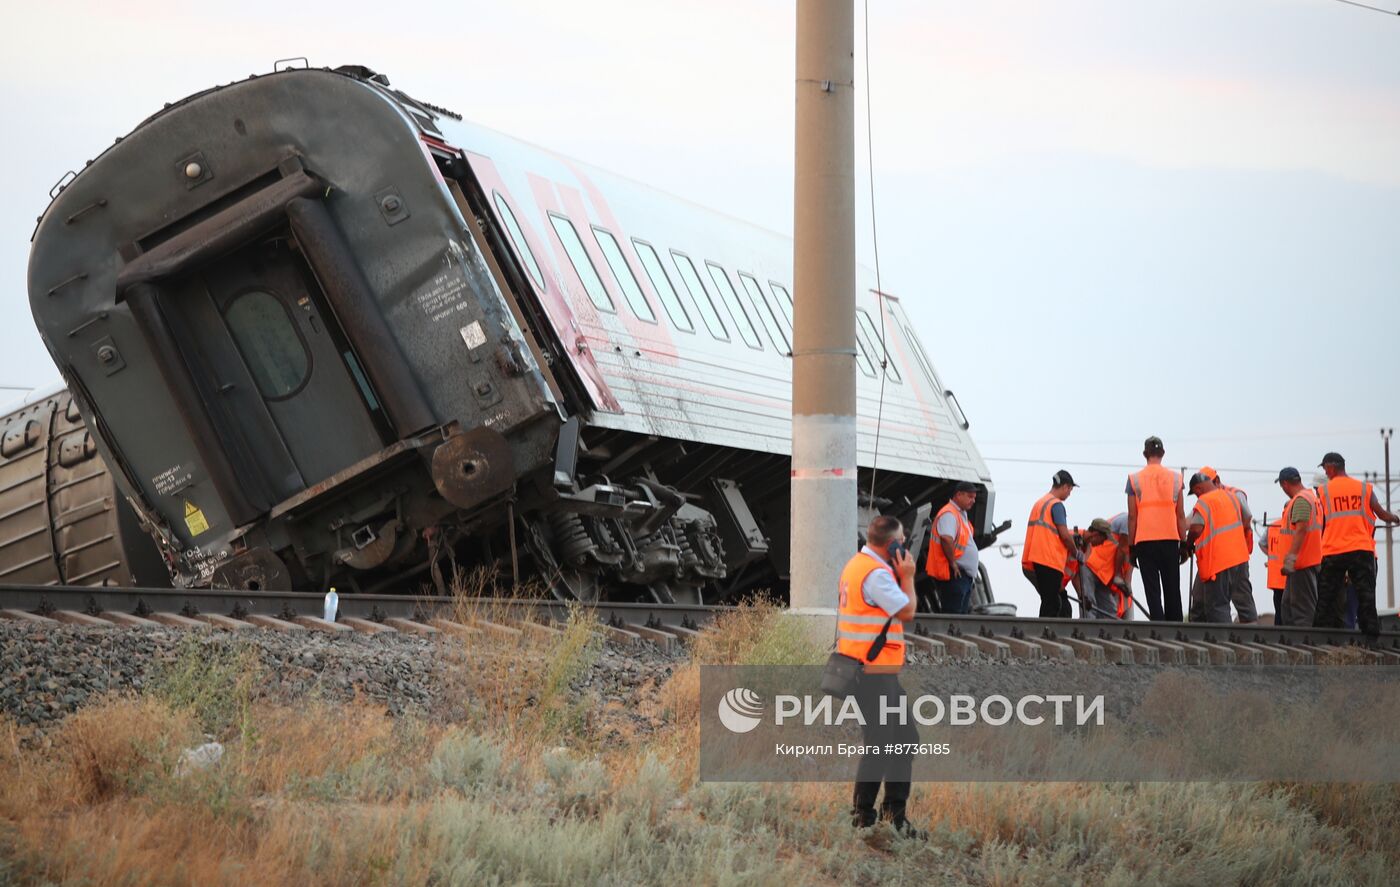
(62, 520)
(328, 332)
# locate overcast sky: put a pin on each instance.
(1107, 219)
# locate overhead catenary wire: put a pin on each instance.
(875, 242)
(1368, 6)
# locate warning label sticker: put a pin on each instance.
(473, 335)
(194, 519)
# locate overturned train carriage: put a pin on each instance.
(325, 332)
(62, 520)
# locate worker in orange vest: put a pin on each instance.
(1271, 545)
(875, 600)
(1217, 531)
(1157, 531)
(952, 555)
(1349, 510)
(1049, 543)
(1105, 586)
(1239, 495)
(1300, 557)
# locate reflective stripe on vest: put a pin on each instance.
(858, 623)
(1221, 543)
(1277, 547)
(1310, 555)
(1043, 545)
(1102, 560)
(937, 565)
(1157, 491)
(1348, 523)
(1243, 499)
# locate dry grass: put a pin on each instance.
(525, 786)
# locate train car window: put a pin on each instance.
(631, 290)
(517, 238)
(736, 308)
(592, 283)
(670, 299)
(784, 302)
(921, 358)
(700, 295)
(272, 348)
(763, 305)
(876, 345)
(863, 356)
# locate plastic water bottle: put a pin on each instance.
(332, 605)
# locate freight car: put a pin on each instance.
(62, 520)
(324, 331)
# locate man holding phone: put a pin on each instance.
(876, 598)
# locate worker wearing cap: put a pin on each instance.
(1217, 530)
(1104, 587)
(1049, 542)
(1349, 510)
(1272, 546)
(1118, 524)
(952, 554)
(1157, 531)
(1233, 491)
(1300, 555)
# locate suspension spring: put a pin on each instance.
(571, 538)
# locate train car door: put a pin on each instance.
(289, 386)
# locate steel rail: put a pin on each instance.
(979, 636)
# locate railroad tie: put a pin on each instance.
(176, 620)
(127, 620)
(410, 626)
(73, 617)
(26, 616)
(367, 626)
(225, 622)
(274, 623)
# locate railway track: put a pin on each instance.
(960, 637)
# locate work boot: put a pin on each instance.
(862, 817)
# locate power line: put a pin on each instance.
(1372, 8)
(1132, 465)
(1175, 440)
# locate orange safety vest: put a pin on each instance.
(1103, 560)
(937, 565)
(1241, 498)
(858, 622)
(1157, 491)
(1043, 545)
(1276, 547)
(1310, 555)
(1348, 523)
(1221, 543)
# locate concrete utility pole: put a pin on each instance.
(1389, 531)
(824, 287)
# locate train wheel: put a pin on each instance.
(570, 584)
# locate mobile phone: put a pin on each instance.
(896, 548)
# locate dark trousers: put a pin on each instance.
(1159, 561)
(955, 595)
(1280, 610)
(895, 771)
(1358, 567)
(1049, 584)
